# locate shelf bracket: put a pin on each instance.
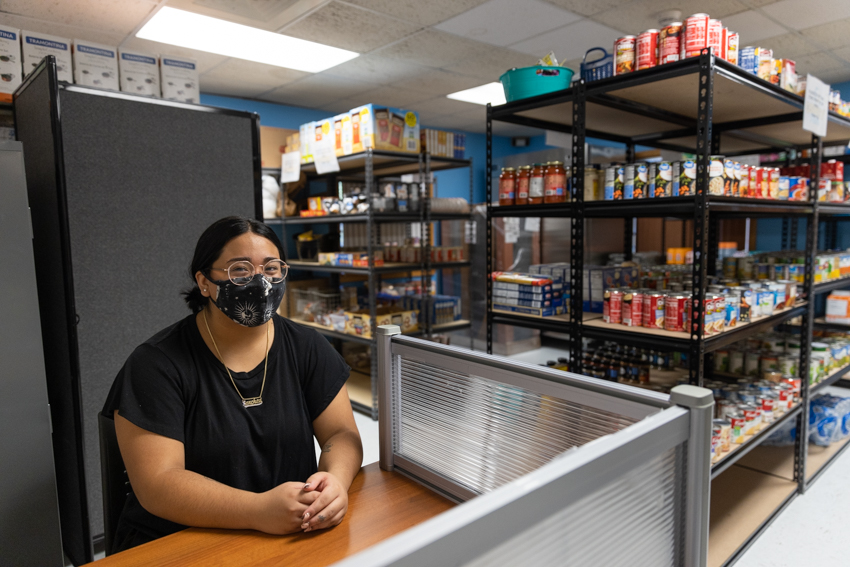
(577, 227)
(488, 175)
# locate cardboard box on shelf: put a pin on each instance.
(384, 128)
(139, 73)
(179, 79)
(339, 134)
(37, 46)
(838, 307)
(306, 136)
(11, 68)
(95, 65)
(273, 145)
(357, 323)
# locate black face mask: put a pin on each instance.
(252, 304)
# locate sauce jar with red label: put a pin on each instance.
(555, 183)
(523, 182)
(507, 187)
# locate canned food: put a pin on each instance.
(737, 425)
(762, 271)
(687, 178)
(736, 362)
(695, 35)
(675, 310)
(663, 185)
(721, 361)
(725, 434)
(744, 181)
(629, 182)
(768, 363)
(723, 408)
(641, 181)
(610, 176)
(646, 50)
(624, 55)
(715, 38)
(715, 176)
(620, 184)
(612, 306)
(773, 183)
(732, 41)
(768, 405)
(670, 43)
(730, 267)
(774, 376)
(745, 267)
(751, 364)
(653, 310)
(752, 418)
(632, 308)
(715, 444)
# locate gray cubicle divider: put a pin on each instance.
(551, 467)
(29, 512)
(121, 187)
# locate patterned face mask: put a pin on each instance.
(251, 304)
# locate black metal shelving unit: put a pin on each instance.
(368, 167)
(702, 106)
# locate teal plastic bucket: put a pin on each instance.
(532, 81)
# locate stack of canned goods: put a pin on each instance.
(745, 407)
(725, 178)
(674, 42)
(787, 265)
(725, 305)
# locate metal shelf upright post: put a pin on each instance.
(577, 228)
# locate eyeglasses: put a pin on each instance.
(242, 272)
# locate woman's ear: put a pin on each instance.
(205, 285)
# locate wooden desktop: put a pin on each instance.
(380, 505)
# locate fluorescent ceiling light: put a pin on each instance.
(186, 29)
(491, 92)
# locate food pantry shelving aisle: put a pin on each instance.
(712, 107)
(369, 167)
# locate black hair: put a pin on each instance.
(209, 248)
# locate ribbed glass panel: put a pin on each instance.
(630, 521)
(481, 433)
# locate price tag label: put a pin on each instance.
(532, 224)
(470, 232)
(290, 169)
(511, 230)
(816, 106)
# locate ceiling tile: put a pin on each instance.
(816, 64)
(835, 75)
(830, 36)
(424, 13)
(572, 41)
(374, 69)
(588, 7)
(789, 45)
(802, 14)
(432, 48)
(448, 122)
(349, 27)
(319, 90)
(753, 26)
(435, 81)
(391, 96)
(61, 30)
(640, 15)
(489, 64)
(113, 16)
(503, 22)
(238, 77)
(441, 106)
(206, 61)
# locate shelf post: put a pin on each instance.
(696, 356)
(488, 174)
(385, 392)
(577, 228)
(802, 443)
(628, 236)
(700, 403)
(630, 152)
(785, 234)
(370, 250)
(792, 235)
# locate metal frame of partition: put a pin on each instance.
(466, 532)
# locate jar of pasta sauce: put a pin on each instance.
(507, 187)
(523, 181)
(555, 183)
(535, 185)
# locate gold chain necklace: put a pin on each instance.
(247, 402)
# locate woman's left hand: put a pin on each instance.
(330, 507)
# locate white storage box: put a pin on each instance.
(95, 65)
(139, 73)
(37, 46)
(179, 79)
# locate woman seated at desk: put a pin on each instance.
(215, 415)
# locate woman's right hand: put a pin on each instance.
(282, 507)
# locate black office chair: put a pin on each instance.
(114, 479)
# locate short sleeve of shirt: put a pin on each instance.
(147, 392)
(325, 372)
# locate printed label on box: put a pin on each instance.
(139, 73)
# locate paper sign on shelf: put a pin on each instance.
(290, 169)
(511, 230)
(325, 159)
(816, 106)
(532, 224)
(470, 232)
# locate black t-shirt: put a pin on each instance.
(173, 385)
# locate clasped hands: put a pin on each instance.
(319, 503)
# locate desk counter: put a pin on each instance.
(381, 504)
